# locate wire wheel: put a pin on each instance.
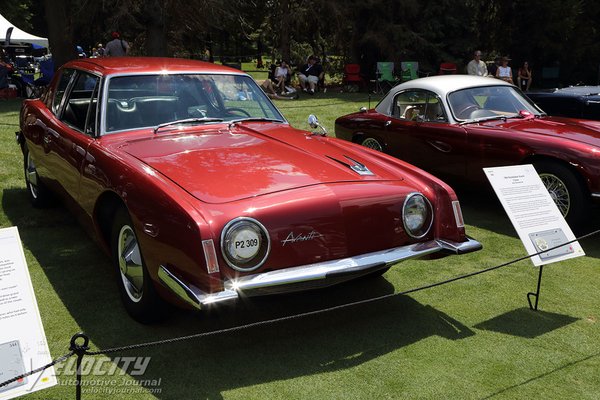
(558, 191)
(372, 143)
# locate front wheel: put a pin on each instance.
(372, 143)
(135, 285)
(566, 190)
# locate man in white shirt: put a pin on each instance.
(476, 66)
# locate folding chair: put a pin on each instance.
(409, 70)
(447, 68)
(385, 78)
(352, 77)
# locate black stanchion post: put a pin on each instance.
(537, 293)
(80, 351)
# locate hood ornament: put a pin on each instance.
(359, 168)
(356, 166)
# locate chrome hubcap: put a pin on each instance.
(558, 192)
(372, 144)
(31, 177)
(130, 264)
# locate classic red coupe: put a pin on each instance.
(200, 191)
(453, 126)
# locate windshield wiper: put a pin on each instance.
(188, 121)
(252, 119)
(255, 119)
(474, 121)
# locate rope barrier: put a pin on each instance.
(83, 349)
(40, 369)
(334, 308)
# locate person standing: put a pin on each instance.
(476, 66)
(524, 77)
(117, 47)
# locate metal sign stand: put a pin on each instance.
(79, 350)
(537, 292)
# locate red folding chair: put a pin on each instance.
(352, 76)
(447, 68)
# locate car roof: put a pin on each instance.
(444, 84)
(440, 84)
(144, 65)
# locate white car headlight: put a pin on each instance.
(417, 215)
(245, 244)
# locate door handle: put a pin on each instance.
(388, 123)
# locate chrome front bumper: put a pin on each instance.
(310, 276)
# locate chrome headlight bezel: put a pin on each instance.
(245, 229)
(417, 202)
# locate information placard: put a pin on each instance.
(538, 221)
(23, 345)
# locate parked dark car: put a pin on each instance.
(201, 192)
(574, 102)
(453, 126)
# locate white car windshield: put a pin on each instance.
(489, 102)
(143, 101)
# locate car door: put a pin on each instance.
(71, 133)
(43, 139)
(425, 138)
(403, 120)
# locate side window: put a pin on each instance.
(435, 110)
(81, 104)
(419, 105)
(410, 105)
(65, 78)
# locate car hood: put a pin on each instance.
(222, 164)
(584, 131)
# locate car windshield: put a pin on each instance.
(489, 102)
(144, 101)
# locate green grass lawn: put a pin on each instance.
(471, 339)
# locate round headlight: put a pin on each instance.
(417, 215)
(245, 244)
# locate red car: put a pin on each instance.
(200, 191)
(453, 126)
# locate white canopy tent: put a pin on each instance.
(19, 36)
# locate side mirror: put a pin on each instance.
(363, 109)
(313, 121)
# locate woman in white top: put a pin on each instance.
(504, 72)
(281, 75)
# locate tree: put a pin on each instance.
(60, 32)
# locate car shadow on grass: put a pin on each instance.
(84, 281)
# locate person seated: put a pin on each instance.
(268, 87)
(524, 77)
(281, 76)
(504, 72)
(310, 74)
